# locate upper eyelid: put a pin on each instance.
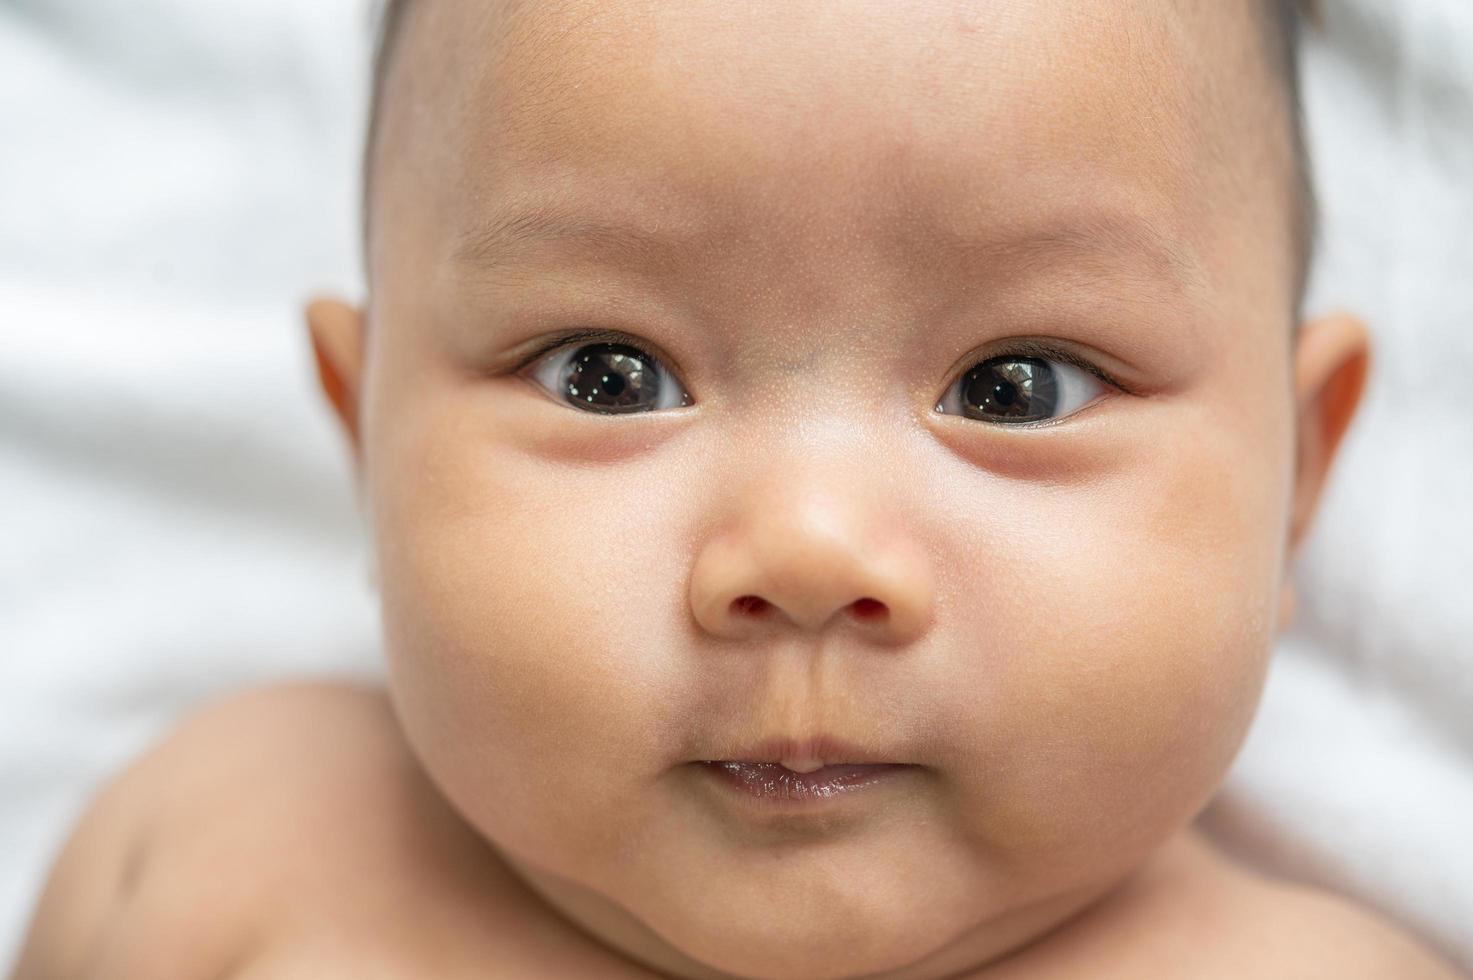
(600, 335)
(1042, 350)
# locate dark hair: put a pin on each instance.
(1283, 20)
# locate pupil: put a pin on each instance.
(611, 377)
(1011, 389)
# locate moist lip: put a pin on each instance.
(775, 782)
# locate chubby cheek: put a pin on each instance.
(520, 605)
(1122, 676)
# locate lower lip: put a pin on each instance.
(774, 783)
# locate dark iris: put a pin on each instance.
(1010, 389)
(613, 378)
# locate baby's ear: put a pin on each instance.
(1331, 360)
(337, 344)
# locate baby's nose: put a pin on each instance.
(811, 560)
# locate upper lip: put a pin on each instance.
(823, 749)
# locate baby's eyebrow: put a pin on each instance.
(1096, 237)
(1099, 236)
(514, 228)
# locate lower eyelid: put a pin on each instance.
(1069, 373)
(550, 355)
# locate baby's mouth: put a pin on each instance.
(804, 770)
(776, 782)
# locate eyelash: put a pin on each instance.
(582, 337)
(1019, 348)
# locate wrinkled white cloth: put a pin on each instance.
(176, 175)
(176, 513)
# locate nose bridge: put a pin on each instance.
(810, 539)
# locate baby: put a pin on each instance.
(833, 470)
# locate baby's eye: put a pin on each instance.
(1013, 389)
(609, 379)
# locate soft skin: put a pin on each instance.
(836, 210)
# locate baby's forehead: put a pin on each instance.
(840, 117)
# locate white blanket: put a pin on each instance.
(1358, 774)
(176, 175)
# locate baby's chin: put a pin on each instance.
(883, 904)
(912, 928)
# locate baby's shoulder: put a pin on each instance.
(1203, 915)
(257, 811)
(1294, 931)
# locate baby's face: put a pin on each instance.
(849, 466)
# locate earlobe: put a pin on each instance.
(1331, 362)
(337, 345)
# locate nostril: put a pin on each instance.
(868, 608)
(750, 605)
